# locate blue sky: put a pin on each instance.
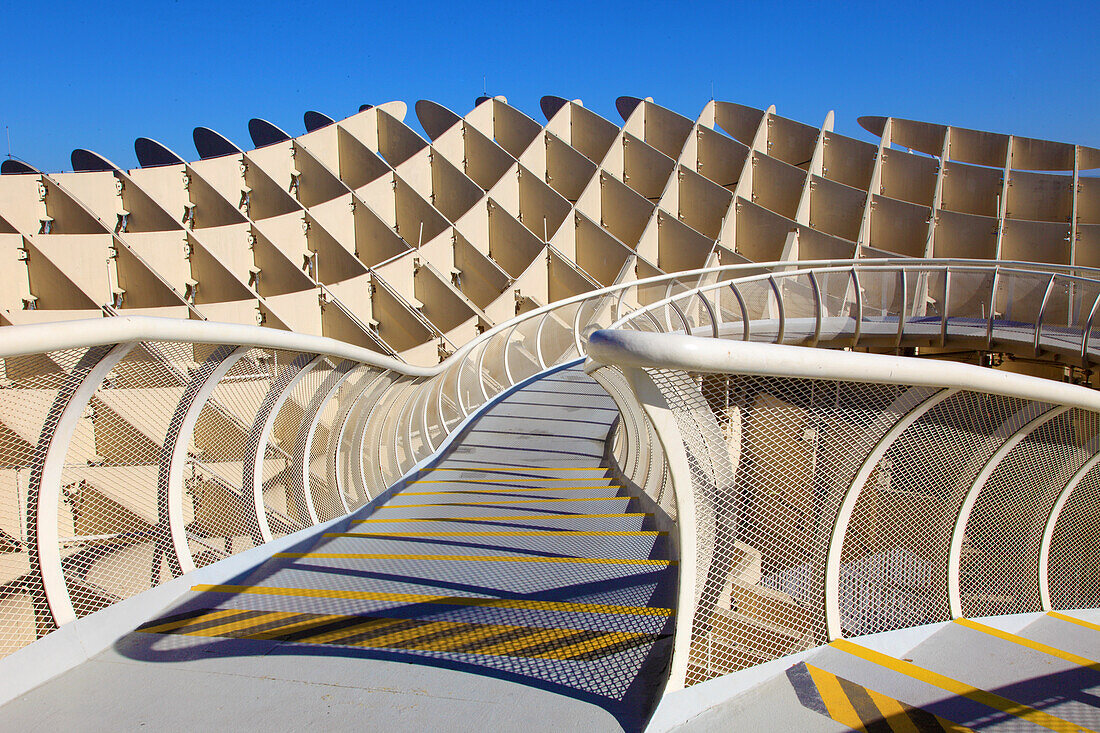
(77, 78)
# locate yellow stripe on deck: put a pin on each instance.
(518, 480)
(1030, 644)
(513, 603)
(516, 501)
(233, 625)
(189, 621)
(470, 558)
(836, 702)
(524, 517)
(509, 490)
(1072, 620)
(517, 469)
(955, 687)
(531, 533)
(861, 708)
(413, 634)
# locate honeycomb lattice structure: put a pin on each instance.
(363, 231)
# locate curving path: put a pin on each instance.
(511, 584)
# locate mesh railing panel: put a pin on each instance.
(638, 452)
(33, 392)
(112, 541)
(322, 487)
(771, 460)
(225, 520)
(1000, 560)
(894, 562)
(1074, 572)
(284, 489)
(292, 375)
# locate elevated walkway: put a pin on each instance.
(1033, 672)
(510, 583)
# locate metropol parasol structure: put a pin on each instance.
(614, 420)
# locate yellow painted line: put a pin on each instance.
(503, 480)
(470, 558)
(506, 487)
(1072, 620)
(241, 625)
(893, 712)
(329, 637)
(836, 702)
(161, 628)
(517, 469)
(955, 687)
(532, 533)
(462, 637)
(515, 603)
(465, 638)
(514, 501)
(296, 626)
(589, 645)
(1030, 644)
(513, 646)
(403, 636)
(524, 517)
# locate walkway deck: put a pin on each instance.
(1008, 674)
(511, 586)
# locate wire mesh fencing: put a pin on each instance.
(776, 464)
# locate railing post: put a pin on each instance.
(903, 282)
(817, 308)
(378, 391)
(779, 306)
(340, 428)
(577, 329)
(1042, 312)
(507, 364)
(1085, 361)
(538, 340)
(835, 552)
(858, 330)
(711, 312)
(954, 552)
(303, 444)
(682, 317)
(47, 468)
(260, 434)
(992, 307)
(1048, 529)
(661, 417)
(173, 462)
(946, 305)
(746, 328)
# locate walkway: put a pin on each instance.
(510, 586)
(1016, 673)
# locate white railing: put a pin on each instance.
(134, 449)
(828, 493)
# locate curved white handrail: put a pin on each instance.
(700, 354)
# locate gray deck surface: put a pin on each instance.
(447, 605)
(1009, 669)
